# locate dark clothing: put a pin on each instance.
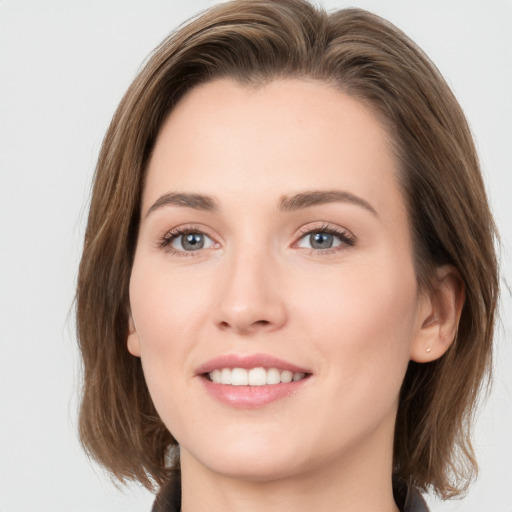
(407, 498)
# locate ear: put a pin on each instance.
(439, 316)
(133, 338)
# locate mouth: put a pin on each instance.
(258, 376)
(251, 381)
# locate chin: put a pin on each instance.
(258, 469)
(248, 460)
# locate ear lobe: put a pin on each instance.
(440, 316)
(132, 341)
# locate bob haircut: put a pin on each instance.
(254, 42)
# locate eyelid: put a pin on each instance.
(170, 235)
(347, 238)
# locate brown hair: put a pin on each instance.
(253, 42)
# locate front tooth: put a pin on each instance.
(239, 377)
(298, 376)
(257, 377)
(286, 376)
(273, 376)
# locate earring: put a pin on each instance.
(428, 349)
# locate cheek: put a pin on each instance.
(165, 306)
(363, 320)
(161, 322)
(166, 313)
(361, 325)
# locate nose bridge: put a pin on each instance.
(250, 298)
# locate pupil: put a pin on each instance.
(320, 240)
(193, 241)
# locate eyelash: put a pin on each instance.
(347, 239)
(173, 234)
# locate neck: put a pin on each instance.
(359, 479)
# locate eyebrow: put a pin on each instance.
(286, 203)
(195, 201)
(319, 197)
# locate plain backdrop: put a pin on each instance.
(64, 65)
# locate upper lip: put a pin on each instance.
(248, 362)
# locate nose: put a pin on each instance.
(251, 298)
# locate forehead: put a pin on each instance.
(230, 140)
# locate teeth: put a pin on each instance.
(286, 376)
(257, 377)
(225, 375)
(273, 376)
(239, 377)
(254, 377)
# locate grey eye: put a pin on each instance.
(321, 240)
(191, 242)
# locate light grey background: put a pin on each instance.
(63, 68)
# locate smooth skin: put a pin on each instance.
(252, 280)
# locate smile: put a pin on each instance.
(254, 377)
(252, 381)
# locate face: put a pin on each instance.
(274, 246)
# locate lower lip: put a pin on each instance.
(249, 397)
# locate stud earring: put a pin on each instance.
(428, 349)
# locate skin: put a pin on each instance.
(352, 315)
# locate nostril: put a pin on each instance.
(224, 325)
(262, 322)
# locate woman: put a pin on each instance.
(288, 273)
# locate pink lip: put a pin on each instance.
(249, 397)
(247, 362)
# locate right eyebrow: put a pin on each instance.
(318, 197)
(195, 201)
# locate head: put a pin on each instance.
(252, 45)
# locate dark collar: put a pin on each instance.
(407, 498)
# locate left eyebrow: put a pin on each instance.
(319, 197)
(194, 201)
